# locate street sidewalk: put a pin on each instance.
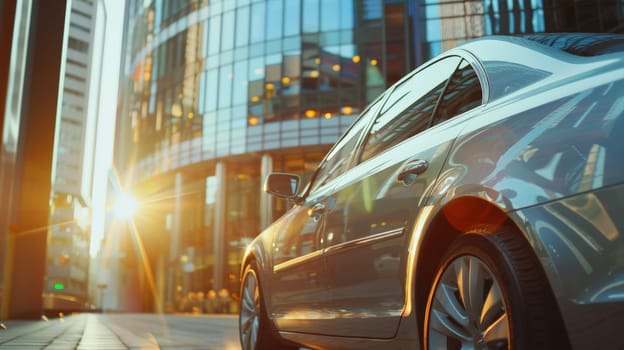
(116, 331)
(82, 331)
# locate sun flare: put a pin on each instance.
(126, 206)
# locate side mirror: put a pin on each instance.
(282, 185)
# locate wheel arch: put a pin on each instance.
(255, 254)
(460, 215)
(247, 260)
(258, 250)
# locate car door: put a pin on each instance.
(298, 286)
(369, 219)
(299, 292)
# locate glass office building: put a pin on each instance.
(218, 93)
(66, 283)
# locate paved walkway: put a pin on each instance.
(117, 332)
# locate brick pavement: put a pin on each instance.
(122, 331)
(82, 332)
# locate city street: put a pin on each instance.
(123, 331)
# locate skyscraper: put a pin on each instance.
(66, 286)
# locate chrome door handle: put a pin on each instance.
(413, 168)
(316, 211)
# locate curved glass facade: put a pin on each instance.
(232, 77)
(219, 93)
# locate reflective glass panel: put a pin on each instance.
(347, 14)
(211, 89)
(330, 15)
(462, 94)
(242, 26)
(225, 86)
(258, 12)
(338, 159)
(239, 93)
(274, 24)
(292, 16)
(409, 108)
(227, 33)
(215, 35)
(310, 16)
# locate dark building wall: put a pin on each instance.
(7, 16)
(27, 152)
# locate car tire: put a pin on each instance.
(490, 292)
(254, 326)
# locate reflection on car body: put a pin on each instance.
(476, 203)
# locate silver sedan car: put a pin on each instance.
(478, 203)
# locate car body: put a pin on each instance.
(476, 203)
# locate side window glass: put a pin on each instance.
(338, 158)
(462, 94)
(409, 108)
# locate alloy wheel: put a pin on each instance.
(468, 309)
(249, 321)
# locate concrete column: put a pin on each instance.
(266, 202)
(28, 204)
(160, 273)
(220, 225)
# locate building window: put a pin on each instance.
(78, 45)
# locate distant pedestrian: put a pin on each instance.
(198, 305)
(210, 302)
(224, 301)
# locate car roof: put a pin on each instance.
(581, 44)
(513, 62)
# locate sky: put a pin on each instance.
(107, 106)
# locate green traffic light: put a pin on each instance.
(59, 286)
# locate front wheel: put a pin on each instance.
(254, 328)
(491, 293)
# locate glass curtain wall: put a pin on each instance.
(214, 81)
(233, 84)
(210, 80)
(229, 84)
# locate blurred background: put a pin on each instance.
(136, 135)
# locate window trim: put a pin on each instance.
(356, 158)
(432, 121)
(406, 79)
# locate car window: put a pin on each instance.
(409, 108)
(338, 159)
(462, 94)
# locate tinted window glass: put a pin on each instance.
(215, 35)
(409, 108)
(337, 160)
(275, 24)
(227, 31)
(462, 94)
(242, 26)
(292, 20)
(257, 22)
(311, 18)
